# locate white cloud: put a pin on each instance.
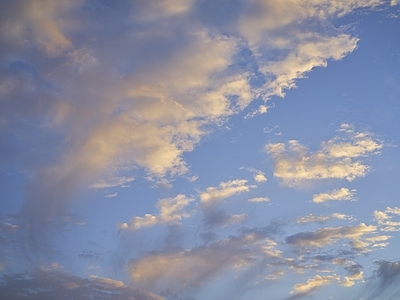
(259, 199)
(273, 26)
(171, 210)
(359, 144)
(6, 227)
(109, 282)
(312, 50)
(164, 78)
(130, 88)
(269, 249)
(338, 158)
(262, 109)
(214, 195)
(145, 116)
(260, 177)
(113, 182)
(312, 284)
(349, 281)
(275, 275)
(342, 194)
(263, 17)
(320, 219)
(395, 210)
(111, 195)
(384, 219)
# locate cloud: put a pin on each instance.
(113, 182)
(342, 194)
(262, 109)
(144, 115)
(330, 235)
(221, 218)
(321, 219)
(312, 50)
(312, 284)
(270, 249)
(91, 256)
(355, 274)
(171, 210)
(94, 95)
(255, 255)
(339, 158)
(7, 227)
(271, 26)
(150, 106)
(259, 176)
(360, 144)
(384, 219)
(263, 17)
(384, 283)
(48, 285)
(111, 195)
(186, 270)
(259, 199)
(213, 195)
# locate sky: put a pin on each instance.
(196, 149)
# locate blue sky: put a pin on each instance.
(193, 149)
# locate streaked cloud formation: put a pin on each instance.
(213, 195)
(320, 219)
(312, 284)
(330, 235)
(335, 195)
(141, 157)
(53, 285)
(259, 199)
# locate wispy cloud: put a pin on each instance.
(357, 235)
(259, 199)
(321, 219)
(221, 218)
(185, 270)
(213, 195)
(56, 284)
(342, 194)
(171, 210)
(113, 182)
(259, 176)
(384, 284)
(111, 195)
(302, 289)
